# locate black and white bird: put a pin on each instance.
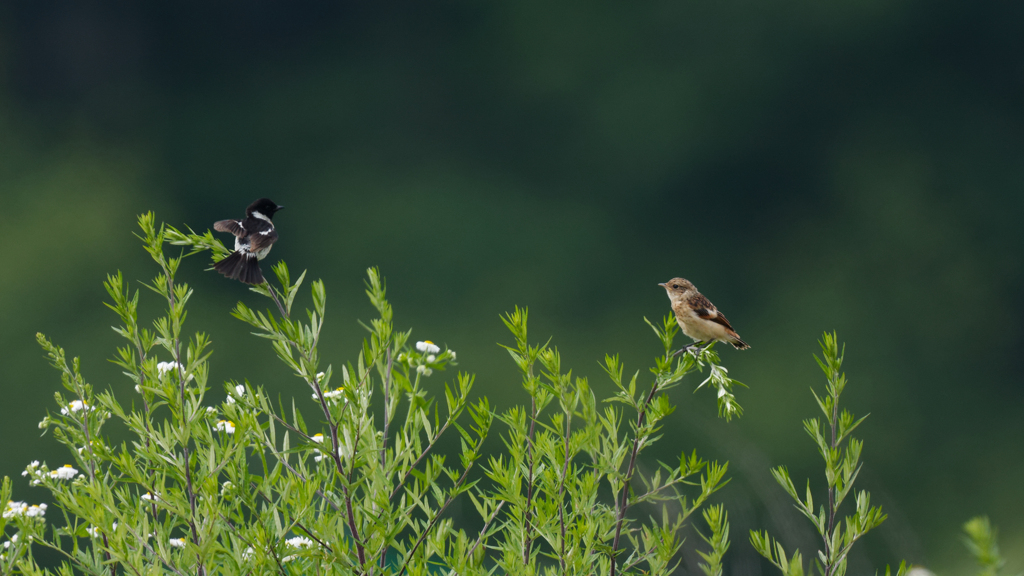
(254, 236)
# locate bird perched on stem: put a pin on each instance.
(698, 317)
(254, 236)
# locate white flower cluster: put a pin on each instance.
(162, 368)
(33, 471)
(177, 542)
(75, 406)
(226, 426)
(16, 509)
(432, 353)
(13, 540)
(150, 497)
(333, 396)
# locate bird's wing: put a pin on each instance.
(233, 226)
(707, 311)
(262, 237)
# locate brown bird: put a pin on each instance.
(698, 317)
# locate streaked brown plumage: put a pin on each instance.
(698, 317)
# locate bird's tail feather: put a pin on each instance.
(229, 266)
(250, 271)
(739, 344)
(239, 267)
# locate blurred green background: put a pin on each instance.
(810, 166)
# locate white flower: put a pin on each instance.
(35, 511)
(163, 368)
(65, 472)
(299, 542)
(149, 496)
(226, 487)
(75, 406)
(333, 395)
(247, 553)
(13, 540)
(318, 438)
(226, 426)
(431, 358)
(919, 571)
(424, 370)
(320, 376)
(240, 391)
(427, 346)
(14, 509)
(452, 352)
(178, 542)
(211, 410)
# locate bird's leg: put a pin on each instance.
(705, 347)
(684, 349)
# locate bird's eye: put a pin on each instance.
(675, 286)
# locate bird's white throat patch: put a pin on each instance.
(259, 215)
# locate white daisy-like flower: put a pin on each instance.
(247, 553)
(65, 472)
(150, 497)
(75, 406)
(94, 532)
(299, 542)
(177, 542)
(424, 370)
(226, 426)
(13, 540)
(318, 438)
(427, 346)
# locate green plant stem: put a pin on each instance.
(436, 517)
(561, 488)
(623, 500)
(830, 568)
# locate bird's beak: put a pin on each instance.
(662, 284)
(279, 208)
